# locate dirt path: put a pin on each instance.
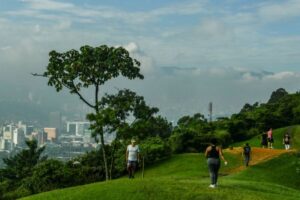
(258, 155)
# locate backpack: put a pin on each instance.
(247, 150)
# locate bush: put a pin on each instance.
(18, 193)
(48, 175)
(154, 149)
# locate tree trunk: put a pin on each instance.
(104, 156)
(112, 161)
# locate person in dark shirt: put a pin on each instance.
(247, 154)
(264, 140)
(213, 154)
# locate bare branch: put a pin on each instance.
(96, 97)
(36, 74)
(82, 98)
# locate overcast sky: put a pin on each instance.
(230, 52)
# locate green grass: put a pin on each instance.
(281, 171)
(162, 189)
(186, 176)
(278, 136)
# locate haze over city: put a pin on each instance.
(192, 52)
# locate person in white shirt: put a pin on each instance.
(132, 158)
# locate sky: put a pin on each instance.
(228, 52)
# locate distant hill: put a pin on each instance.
(22, 110)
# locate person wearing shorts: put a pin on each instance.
(287, 141)
(132, 157)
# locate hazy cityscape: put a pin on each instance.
(64, 139)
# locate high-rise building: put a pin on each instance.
(23, 127)
(55, 120)
(2, 144)
(51, 133)
(18, 137)
(29, 130)
(78, 128)
(40, 136)
(7, 135)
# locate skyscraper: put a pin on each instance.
(55, 120)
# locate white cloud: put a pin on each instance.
(277, 11)
(132, 47)
(35, 8)
(282, 75)
(48, 5)
(147, 63)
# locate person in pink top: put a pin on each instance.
(270, 138)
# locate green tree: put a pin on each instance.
(87, 68)
(18, 168)
(127, 115)
(278, 94)
(20, 165)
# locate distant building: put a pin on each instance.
(2, 144)
(7, 135)
(29, 130)
(55, 120)
(51, 133)
(78, 128)
(40, 136)
(18, 137)
(23, 127)
(8, 128)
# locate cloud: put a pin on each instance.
(48, 5)
(35, 8)
(278, 11)
(282, 75)
(132, 47)
(147, 63)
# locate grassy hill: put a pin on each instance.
(186, 176)
(277, 135)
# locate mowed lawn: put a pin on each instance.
(186, 176)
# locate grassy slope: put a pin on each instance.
(186, 177)
(278, 135)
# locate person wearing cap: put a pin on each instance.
(132, 157)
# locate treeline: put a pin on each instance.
(193, 133)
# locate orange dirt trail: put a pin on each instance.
(258, 155)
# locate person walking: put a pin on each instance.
(247, 154)
(270, 139)
(213, 153)
(132, 157)
(264, 140)
(287, 141)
